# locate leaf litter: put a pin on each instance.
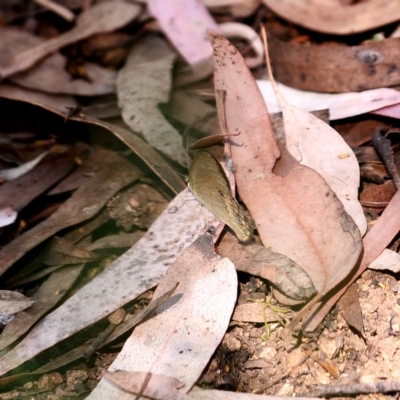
(92, 240)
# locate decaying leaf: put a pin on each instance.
(50, 75)
(58, 102)
(375, 242)
(101, 17)
(147, 261)
(287, 200)
(315, 144)
(389, 260)
(336, 68)
(194, 320)
(111, 173)
(48, 295)
(143, 83)
(349, 307)
(150, 157)
(13, 302)
(61, 251)
(333, 17)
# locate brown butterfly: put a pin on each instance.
(209, 184)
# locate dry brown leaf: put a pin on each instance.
(57, 102)
(20, 192)
(146, 154)
(48, 295)
(112, 172)
(378, 196)
(147, 260)
(313, 143)
(336, 68)
(13, 302)
(350, 308)
(50, 75)
(102, 17)
(143, 83)
(375, 242)
(194, 320)
(287, 201)
(237, 8)
(334, 18)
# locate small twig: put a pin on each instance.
(57, 9)
(99, 340)
(144, 386)
(353, 389)
(384, 148)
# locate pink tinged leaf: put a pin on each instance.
(313, 143)
(295, 211)
(392, 111)
(186, 25)
(340, 105)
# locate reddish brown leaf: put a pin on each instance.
(287, 201)
(375, 242)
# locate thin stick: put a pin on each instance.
(57, 9)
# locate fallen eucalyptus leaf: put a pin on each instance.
(315, 144)
(58, 102)
(186, 27)
(13, 302)
(388, 260)
(104, 174)
(48, 295)
(50, 75)
(193, 321)
(287, 200)
(143, 83)
(375, 242)
(146, 261)
(335, 18)
(336, 68)
(101, 17)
